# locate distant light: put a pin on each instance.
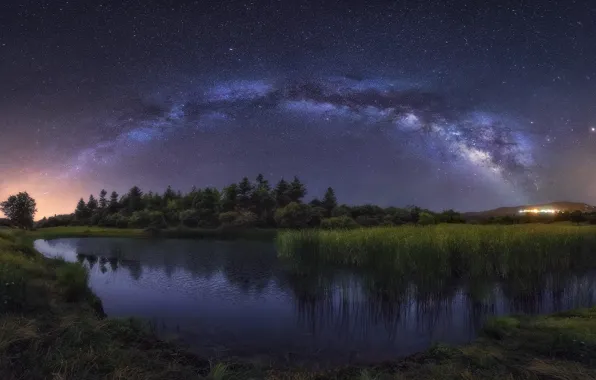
(538, 211)
(593, 129)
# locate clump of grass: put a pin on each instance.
(218, 371)
(72, 277)
(13, 292)
(501, 327)
(448, 250)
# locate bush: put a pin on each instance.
(228, 218)
(367, 221)
(317, 216)
(4, 222)
(340, 222)
(140, 219)
(426, 219)
(114, 220)
(294, 215)
(244, 219)
(500, 327)
(189, 218)
(342, 210)
(157, 219)
(72, 277)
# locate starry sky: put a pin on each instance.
(443, 103)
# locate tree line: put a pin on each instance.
(244, 204)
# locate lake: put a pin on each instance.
(237, 299)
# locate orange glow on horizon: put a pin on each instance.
(51, 198)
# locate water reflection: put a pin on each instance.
(237, 298)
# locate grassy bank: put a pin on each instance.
(179, 233)
(449, 250)
(52, 327)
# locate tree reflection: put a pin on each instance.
(342, 303)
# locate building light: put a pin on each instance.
(538, 211)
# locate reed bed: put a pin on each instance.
(448, 250)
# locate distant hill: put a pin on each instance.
(560, 206)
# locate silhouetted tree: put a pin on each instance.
(20, 209)
(245, 189)
(229, 199)
(114, 202)
(281, 193)
(134, 199)
(329, 201)
(92, 204)
(189, 199)
(103, 202)
(153, 201)
(168, 195)
(262, 200)
(208, 207)
(242, 204)
(297, 190)
(81, 212)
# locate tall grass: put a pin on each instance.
(73, 278)
(174, 233)
(448, 250)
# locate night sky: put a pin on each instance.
(443, 104)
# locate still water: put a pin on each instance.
(225, 299)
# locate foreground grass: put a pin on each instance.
(449, 250)
(180, 233)
(52, 327)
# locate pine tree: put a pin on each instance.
(261, 181)
(297, 190)
(81, 212)
(229, 199)
(103, 203)
(329, 201)
(281, 193)
(92, 204)
(263, 201)
(168, 195)
(114, 202)
(245, 189)
(135, 199)
(208, 206)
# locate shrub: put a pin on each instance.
(339, 222)
(367, 221)
(501, 327)
(243, 219)
(114, 220)
(72, 277)
(426, 219)
(157, 219)
(228, 218)
(317, 215)
(140, 219)
(294, 215)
